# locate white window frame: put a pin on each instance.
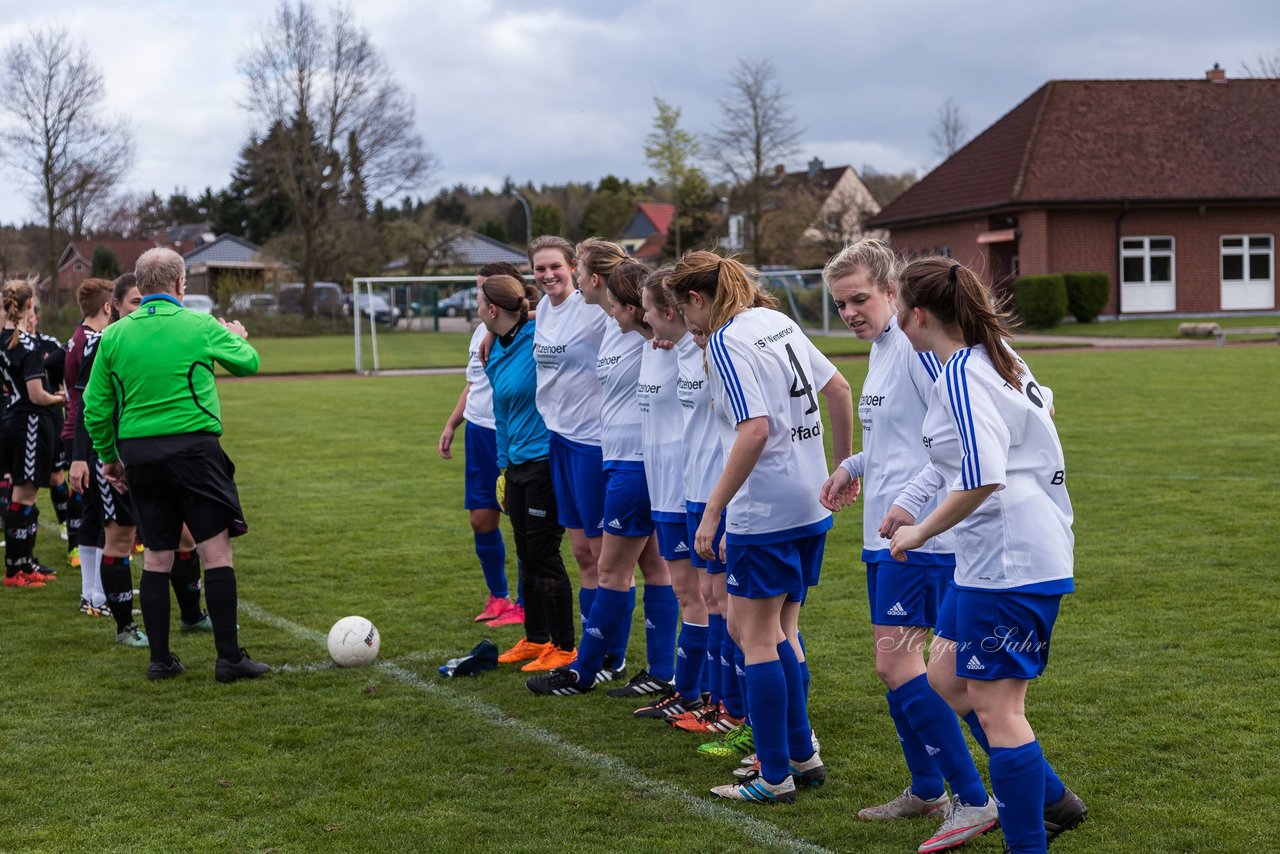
(1146, 254)
(1236, 292)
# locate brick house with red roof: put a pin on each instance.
(1172, 187)
(76, 261)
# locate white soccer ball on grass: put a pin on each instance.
(353, 641)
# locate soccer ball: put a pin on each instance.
(353, 641)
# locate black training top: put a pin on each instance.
(19, 363)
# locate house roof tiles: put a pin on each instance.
(1112, 140)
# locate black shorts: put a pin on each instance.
(29, 442)
(112, 506)
(182, 479)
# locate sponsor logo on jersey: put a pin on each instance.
(974, 664)
(647, 388)
(803, 433)
(871, 400)
(927, 441)
(777, 336)
(897, 610)
(615, 524)
(549, 349)
(595, 633)
(688, 385)
(607, 362)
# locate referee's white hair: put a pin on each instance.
(873, 257)
(159, 270)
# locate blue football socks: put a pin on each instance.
(1017, 781)
(926, 779)
(936, 725)
(661, 612)
(492, 552)
(691, 656)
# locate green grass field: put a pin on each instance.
(1158, 327)
(1158, 707)
(406, 350)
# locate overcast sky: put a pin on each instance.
(562, 89)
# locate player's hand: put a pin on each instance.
(113, 473)
(501, 489)
(663, 344)
(445, 443)
(893, 520)
(840, 490)
(905, 539)
(78, 476)
(486, 347)
(720, 549)
(704, 541)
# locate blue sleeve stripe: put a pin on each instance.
(928, 365)
(729, 376)
(958, 390)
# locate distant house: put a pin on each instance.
(229, 264)
(466, 248)
(1170, 186)
(186, 235)
(76, 261)
(645, 233)
(832, 202)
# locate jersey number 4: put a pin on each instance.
(800, 385)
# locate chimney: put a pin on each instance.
(1216, 74)
(815, 166)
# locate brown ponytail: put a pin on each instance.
(731, 286)
(656, 285)
(601, 257)
(956, 296)
(508, 294)
(16, 298)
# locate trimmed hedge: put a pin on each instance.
(1041, 300)
(1087, 294)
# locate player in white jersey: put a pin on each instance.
(904, 597)
(766, 376)
(627, 521)
(475, 409)
(566, 346)
(990, 433)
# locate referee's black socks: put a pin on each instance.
(154, 589)
(185, 579)
(220, 597)
(117, 584)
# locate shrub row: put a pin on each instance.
(1042, 301)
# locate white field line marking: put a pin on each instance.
(759, 832)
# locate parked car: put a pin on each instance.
(374, 306)
(199, 302)
(460, 303)
(326, 299)
(255, 304)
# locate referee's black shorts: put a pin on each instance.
(181, 479)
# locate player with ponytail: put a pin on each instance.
(990, 434)
(765, 377)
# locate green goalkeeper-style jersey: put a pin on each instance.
(154, 370)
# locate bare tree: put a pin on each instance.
(950, 129)
(71, 155)
(756, 132)
(1263, 66)
(347, 122)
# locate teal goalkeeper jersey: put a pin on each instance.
(154, 369)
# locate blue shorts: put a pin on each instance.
(578, 481)
(674, 542)
(481, 446)
(999, 634)
(763, 570)
(906, 594)
(693, 518)
(626, 500)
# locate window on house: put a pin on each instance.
(1247, 258)
(1147, 260)
(944, 251)
(79, 268)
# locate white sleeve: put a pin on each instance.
(854, 465)
(921, 489)
(924, 369)
(984, 435)
(734, 362)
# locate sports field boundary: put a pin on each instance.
(760, 833)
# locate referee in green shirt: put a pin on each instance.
(152, 411)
